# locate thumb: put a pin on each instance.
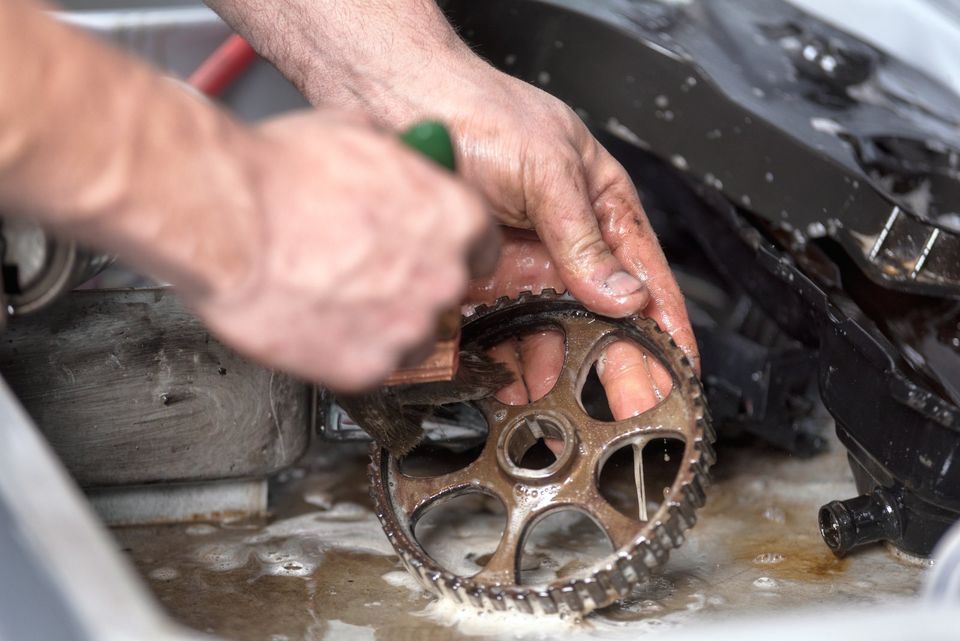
(566, 223)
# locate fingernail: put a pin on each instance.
(622, 284)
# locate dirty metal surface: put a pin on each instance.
(321, 567)
(130, 388)
(640, 541)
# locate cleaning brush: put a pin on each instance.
(394, 414)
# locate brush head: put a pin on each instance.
(394, 416)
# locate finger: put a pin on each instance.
(625, 227)
(524, 265)
(485, 253)
(566, 223)
(633, 381)
(542, 356)
(507, 353)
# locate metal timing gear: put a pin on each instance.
(570, 482)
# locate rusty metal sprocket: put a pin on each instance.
(571, 481)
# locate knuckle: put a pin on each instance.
(586, 245)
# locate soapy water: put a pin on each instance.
(316, 572)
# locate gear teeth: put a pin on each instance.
(566, 599)
(474, 598)
(695, 493)
(703, 422)
(707, 453)
(545, 605)
(632, 564)
(594, 591)
(522, 603)
(684, 514)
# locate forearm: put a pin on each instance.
(97, 146)
(377, 55)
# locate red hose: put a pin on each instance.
(223, 66)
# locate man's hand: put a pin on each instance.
(526, 151)
(314, 243)
(632, 381)
(363, 244)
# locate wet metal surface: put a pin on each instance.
(322, 569)
(530, 495)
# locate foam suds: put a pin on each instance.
(513, 624)
(295, 546)
(403, 579)
(339, 631)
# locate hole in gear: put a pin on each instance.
(460, 533)
(527, 444)
(455, 437)
(565, 544)
(536, 359)
(538, 457)
(662, 458)
(620, 479)
(626, 380)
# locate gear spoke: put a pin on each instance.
(410, 494)
(583, 339)
(620, 529)
(504, 564)
(667, 419)
(498, 415)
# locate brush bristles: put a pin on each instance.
(393, 416)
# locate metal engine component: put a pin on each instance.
(824, 185)
(37, 268)
(571, 481)
(146, 409)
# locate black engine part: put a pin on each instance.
(819, 177)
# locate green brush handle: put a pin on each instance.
(432, 139)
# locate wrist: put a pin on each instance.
(388, 67)
(181, 202)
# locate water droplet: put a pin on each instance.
(768, 558)
(200, 529)
(766, 583)
(558, 44)
(543, 77)
(768, 177)
(816, 230)
(163, 574)
(775, 514)
(758, 92)
(510, 59)
(679, 162)
(662, 101)
(222, 557)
